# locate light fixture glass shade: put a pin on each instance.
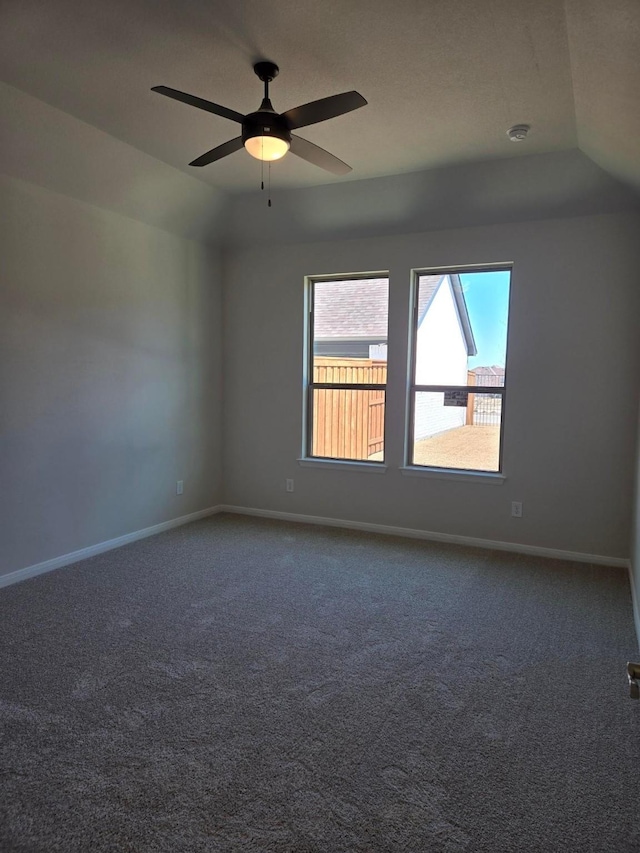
(266, 147)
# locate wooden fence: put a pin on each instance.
(348, 424)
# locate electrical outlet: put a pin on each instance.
(179, 487)
(516, 509)
(289, 485)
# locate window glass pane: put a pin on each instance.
(350, 320)
(457, 430)
(461, 328)
(348, 424)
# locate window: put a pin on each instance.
(347, 368)
(458, 380)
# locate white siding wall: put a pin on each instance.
(441, 359)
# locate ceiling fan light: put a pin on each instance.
(266, 147)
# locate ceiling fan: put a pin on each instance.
(267, 134)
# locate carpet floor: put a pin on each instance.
(242, 685)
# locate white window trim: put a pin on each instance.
(307, 379)
(497, 478)
(410, 470)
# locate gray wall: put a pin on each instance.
(109, 375)
(573, 366)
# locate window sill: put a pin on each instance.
(483, 477)
(344, 464)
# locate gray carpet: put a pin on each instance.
(246, 685)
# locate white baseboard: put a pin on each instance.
(409, 532)
(413, 533)
(635, 601)
(101, 547)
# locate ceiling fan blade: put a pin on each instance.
(318, 156)
(200, 103)
(219, 152)
(325, 108)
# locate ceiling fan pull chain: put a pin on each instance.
(269, 172)
(262, 171)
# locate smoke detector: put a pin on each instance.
(518, 133)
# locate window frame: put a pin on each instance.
(310, 386)
(414, 389)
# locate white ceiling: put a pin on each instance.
(445, 79)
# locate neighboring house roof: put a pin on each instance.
(351, 310)
(494, 370)
(358, 309)
(493, 375)
(429, 285)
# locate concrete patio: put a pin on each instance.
(468, 447)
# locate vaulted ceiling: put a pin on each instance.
(444, 79)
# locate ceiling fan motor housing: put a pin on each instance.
(265, 122)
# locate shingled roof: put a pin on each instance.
(494, 370)
(351, 310)
(358, 309)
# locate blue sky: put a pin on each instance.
(487, 297)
